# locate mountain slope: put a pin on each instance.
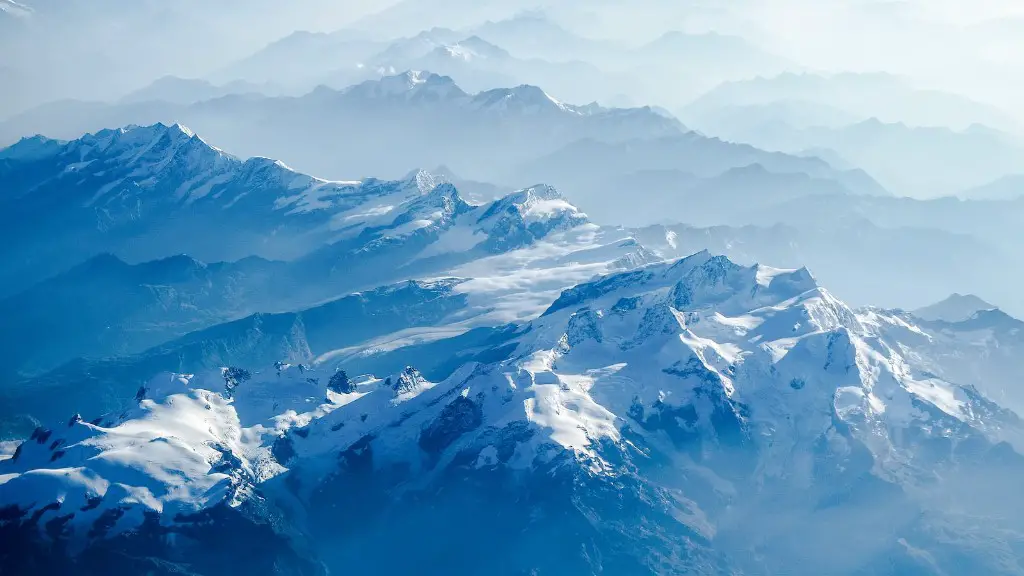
(106, 307)
(107, 384)
(981, 350)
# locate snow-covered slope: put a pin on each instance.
(503, 261)
(148, 183)
(980, 348)
(736, 408)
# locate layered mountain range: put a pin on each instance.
(336, 368)
(507, 136)
(345, 132)
(917, 142)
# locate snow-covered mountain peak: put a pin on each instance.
(526, 215)
(408, 383)
(769, 340)
(426, 180)
(127, 161)
(150, 150)
(407, 49)
(524, 98)
(172, 169)
(472, 48)
(411, 85)
(699, 281)
(539, 202)
(424, 205)
(184, 130)
(132, 138)
(32, 148)
(373, 202)
(437, 208)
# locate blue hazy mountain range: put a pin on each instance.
(481, 287)
(202, 351)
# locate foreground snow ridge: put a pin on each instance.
(699, 347)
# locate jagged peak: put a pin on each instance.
(151, 131)
(527, 196)
(408, 383)
(411, 84)
(697, 280)
(438, 205)
(425, 180)
(435, 285)
(522, 97)
(537, 203)
(32, 148)
(134, 143)
(444, 190)
(472, 47)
